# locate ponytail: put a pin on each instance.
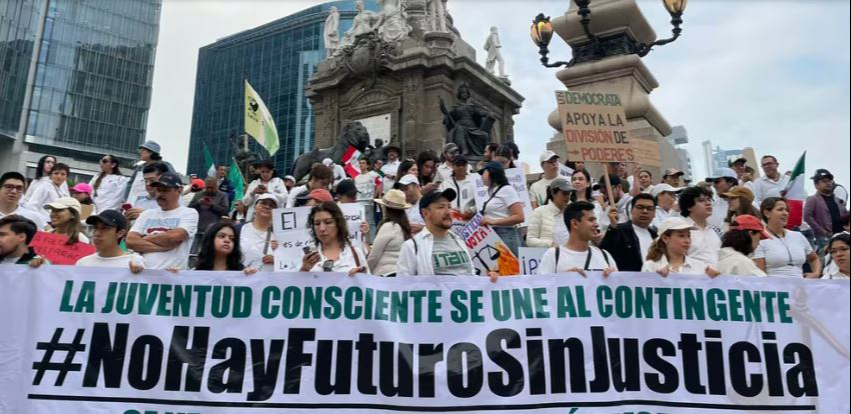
(658, 250)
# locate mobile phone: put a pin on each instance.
(308, 250)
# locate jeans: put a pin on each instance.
(511, 237)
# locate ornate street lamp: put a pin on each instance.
(599, 48)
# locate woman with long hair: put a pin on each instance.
(267, 183)
(669, 253)
(65, 219)
(407, 167)
(220, 250)
(427, 163)
(505, 156)
(740, 200)
(42, 177)
(55, 188)
(546, 227)
(393, 232)
(503, 210)
(109, 186)
(738, 245)
(334, 252)
(839, 248)
(785, 252)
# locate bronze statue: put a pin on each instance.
(353, 134)
(242, 156)
(468, 125)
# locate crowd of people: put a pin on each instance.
(730, 224)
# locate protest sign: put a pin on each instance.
(647, 153)
(101, 340)
(565, 171)
(489, 252)
(518, 182)
(290, 227)
(595, 127)
(55, 249)
(530, 259)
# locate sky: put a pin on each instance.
(771, 75)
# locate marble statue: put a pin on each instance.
(332, 31)
(437, 15)
(363, 23)
(468, 125)
(493, 47)
(392, 24)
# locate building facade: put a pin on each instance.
(75, 80)
(278, 59)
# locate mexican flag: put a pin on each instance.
(208, 160)
(795, 193)
(235, 177)
(350, 161)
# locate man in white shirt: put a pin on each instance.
(666, 199)
(410, 185)
(150, 174)
(391, 168)
(339, 171)
(445, 170)
(771, 183)
(464, 204)
(110, 227)
(538, 190)
(12, 187)
(696, 206)
(321, 178)
(622, 203)
(577, 255)
(673, 177)
(723, 181)
(163, 235)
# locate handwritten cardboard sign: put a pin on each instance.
(647, 153)
(595, 127)
(55, 248)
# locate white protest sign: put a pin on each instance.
(290, 227)
(530, 259)
(565, 171)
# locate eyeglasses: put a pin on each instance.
(106, 161)
(11, 188)
(645, 208)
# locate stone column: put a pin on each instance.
(624, 74)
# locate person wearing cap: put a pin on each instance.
(225, 184)
(109, 228)
(823, 211)
(151, 173)
(696, 208)
(56, 188)
(666, 202)
(391, 167)
(334, 251)
(163, 236)
(740, 166)
(368, 185)
(393, 232)
(669, 253)
(256, 238)
(16, 234)
(82, 192)
(785, 252)
(321, 177)
(546, 226)
(630, 242)
(436, 250)
(739, 244)
(195, 187)
(12, 187)
(149, 153)
(740, 200)
(289, 182)
(65, 219)
(410, 185)
(211, 205)
(339, 171)
(317, 197)
(673, 177)
(346, 192)
(538, 190)
(267, 183)
(503, 210)
(771, 183)
(464, 206)
(578, 255)
(722, 182)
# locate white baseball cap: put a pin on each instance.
(723, 173)
(327, 162)
(658, 189)
(268, 196)
(408, 180)
(548, 155)
(674, 224)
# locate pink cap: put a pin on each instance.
(198, 183)
(323, 196)
(82, 188)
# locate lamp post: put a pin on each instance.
(598, 48)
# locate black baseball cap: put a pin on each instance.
(822, 174)
(346, 188)
(111, 218)
(460, 160)
(433, 196)
(168, 180)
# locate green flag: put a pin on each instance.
(211, 165)
(258, 121)
(235, 177)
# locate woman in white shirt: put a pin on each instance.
(334, 251)
(393, 232)
(42, 177)
(109, 185)
(839, 248)
(669, 253)
(267, 183)
(256, 239)
(369, 188)
(65, 219)
(503, 210)
(786, 252)
(738, 245)
(546, 227)
(47, 193)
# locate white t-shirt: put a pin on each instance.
(252, 242)
(466, 190)
(569, 259)
(502, 200)
(157, 221)
(26, 213)
(784, 256)
(43, 195)
(365, 184)
(705, 245)
(110, 194)
(414, 216)
(122, 262)
(538, 191)
(690, 266)
(764, 187)
(720, 209)
(390, 170)
(295, 194)
(345, 263)
(645, 239)
(662, 215)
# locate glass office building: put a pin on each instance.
(278, 59)
(88, 90)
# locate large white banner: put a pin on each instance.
(85, 340)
